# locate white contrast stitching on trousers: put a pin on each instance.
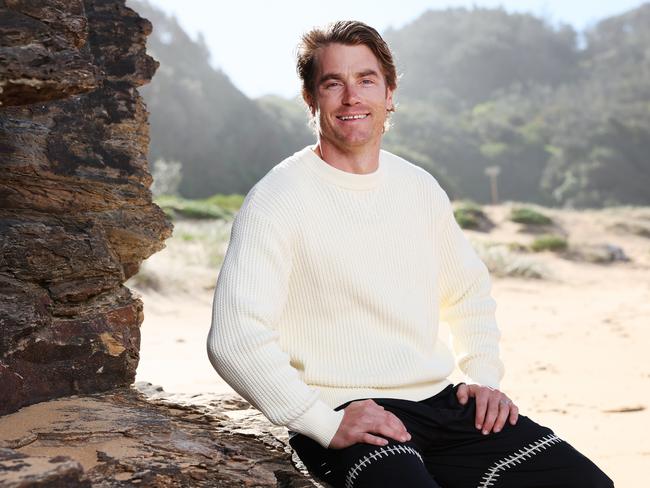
(373, 456)
(490, 477)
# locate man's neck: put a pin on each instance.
(362, 161)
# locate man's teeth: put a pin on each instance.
(350, 117)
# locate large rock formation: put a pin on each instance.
(123, 438)
(76, 216)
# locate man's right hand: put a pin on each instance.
(363, 418)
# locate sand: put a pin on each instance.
(575, 344)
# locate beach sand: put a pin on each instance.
(575, 344)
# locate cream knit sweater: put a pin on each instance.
(332, 287)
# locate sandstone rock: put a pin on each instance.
(121, 438)
(22, 471)
(43, 55)
(76, 215)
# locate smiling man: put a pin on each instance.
(342, 261)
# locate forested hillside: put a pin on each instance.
(223, 140)
(567, 126)
(567, 122)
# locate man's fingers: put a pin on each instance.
(399, 429)
(491, 414)
(372, 439)
(392, 429)
(504, 412)
(514, 414)
(481, 408)
(462, 393)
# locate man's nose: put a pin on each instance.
(351, 94)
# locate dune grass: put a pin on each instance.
(529, 216)
(549, 242)
(214, 207)
(469, 215)
(502, 261)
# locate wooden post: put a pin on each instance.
(492, 172)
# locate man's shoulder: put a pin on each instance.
(284, 174)
(278, 189)
(400, 166)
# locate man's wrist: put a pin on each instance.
(319, 422)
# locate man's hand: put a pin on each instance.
(493, 408)
(363, 418)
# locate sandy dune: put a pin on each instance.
(575, 344)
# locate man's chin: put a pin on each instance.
(355, 140)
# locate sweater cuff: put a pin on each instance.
(483, 375)
(319, 422)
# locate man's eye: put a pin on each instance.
(367, 82)
(331, 85)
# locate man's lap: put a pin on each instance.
(446, 445)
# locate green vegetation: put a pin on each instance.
(231, 202)
(469, 215)
(528, 216)
(567, 122)
(549, 242)
(214, 207)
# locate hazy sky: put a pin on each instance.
(253, 41)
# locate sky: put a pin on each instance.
(253, 41)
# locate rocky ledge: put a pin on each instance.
(142, 436)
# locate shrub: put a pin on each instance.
(230, 202)
(469, 215)
(502, 262)
(549, 242)
(175, 206)
(166, 177)
(528, 216)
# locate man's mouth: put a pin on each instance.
(352, 117)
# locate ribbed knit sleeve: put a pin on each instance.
(243, 344)
(465, 302)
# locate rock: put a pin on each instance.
(44, 55)
(124, 438)
(76, 215)
(22, 470)
(597, 253)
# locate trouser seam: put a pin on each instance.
(491, 475)
(366, 460)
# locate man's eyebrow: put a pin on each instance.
(338, 76)
(329, 76)
(368, 72)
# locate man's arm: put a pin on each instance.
(467, 306)
(242, 343)
(465, 302)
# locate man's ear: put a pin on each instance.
(309, 101)
(390, 106)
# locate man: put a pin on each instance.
(326, 309)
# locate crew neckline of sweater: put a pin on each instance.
(345, 179)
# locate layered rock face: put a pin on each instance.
(128, 437)
(76, 216)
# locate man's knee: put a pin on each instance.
(595, 478)
(395, 464)
(586, 473)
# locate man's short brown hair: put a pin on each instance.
(347, 32)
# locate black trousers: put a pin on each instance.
(446, 450)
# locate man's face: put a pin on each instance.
(351, 97)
